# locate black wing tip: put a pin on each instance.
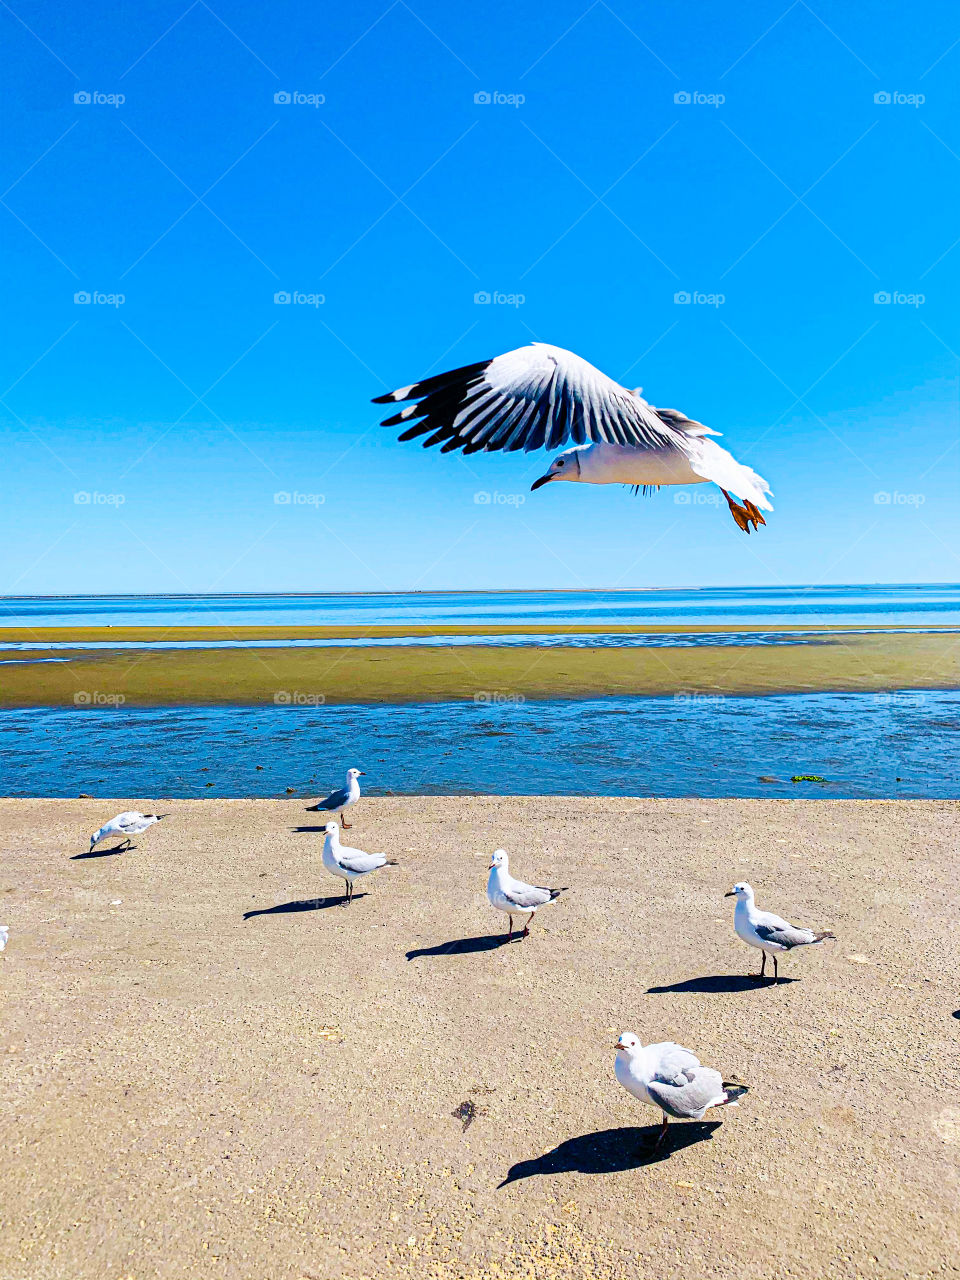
(389, 398)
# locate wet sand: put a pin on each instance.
(211, 1068)
(409, 674)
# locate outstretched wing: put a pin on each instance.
(532, 398)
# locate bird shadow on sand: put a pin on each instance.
(612, 1150)
(101, 853)
(464, 946)
(717, 983)
(956, 1013)
(305, 904)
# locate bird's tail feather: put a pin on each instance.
(823, 937)
(555, 893)
(717, 464)
(391, 862)
(734, 1092)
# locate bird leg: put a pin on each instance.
(663, 1131)
(343, 822)
(510, 929)
(745, 515)
(763, 967)
(526, 927)
(776, 972)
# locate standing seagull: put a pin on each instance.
(127, 825)
(768, 932)
(513, 896)
(349, 864)
(341, 799)
(540, 397)
(672, 1078)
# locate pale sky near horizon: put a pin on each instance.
(787, 165)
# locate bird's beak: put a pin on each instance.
(361, 773)
(731, 894)
(543, 480)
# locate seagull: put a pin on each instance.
(513, 896)
(341, 799)
(672, 1078)
(4, 936)
(541, 396)
(128, 824)
(768, 932)
(349, 864)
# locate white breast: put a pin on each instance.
(617, 464)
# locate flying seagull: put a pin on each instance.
(128, 824)
(541, 397)
(671, 1078)
(768, 932)
(341, 799)
(349, 864)
(513, 896)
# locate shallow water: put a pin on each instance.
(934, 604)
(902, 744)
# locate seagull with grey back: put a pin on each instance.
(513, 896)
(341, 799)
(770, 933)
(671, 1078)
(349, 864)
(126, 825)
(541, 397)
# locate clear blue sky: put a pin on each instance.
(598, 198)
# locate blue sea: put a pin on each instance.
(898, 744)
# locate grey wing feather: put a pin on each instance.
(335, 800)
(785, 935)
(700, 1086)
(527, 895)
(361, 862)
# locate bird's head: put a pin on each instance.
(354, 773)
(93, 839)
(331, 829)
(628, 1042)
(499, 859)
(741, 891)
(565, 466)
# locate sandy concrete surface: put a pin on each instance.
(211, 1068)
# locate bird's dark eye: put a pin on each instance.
(559, 462)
